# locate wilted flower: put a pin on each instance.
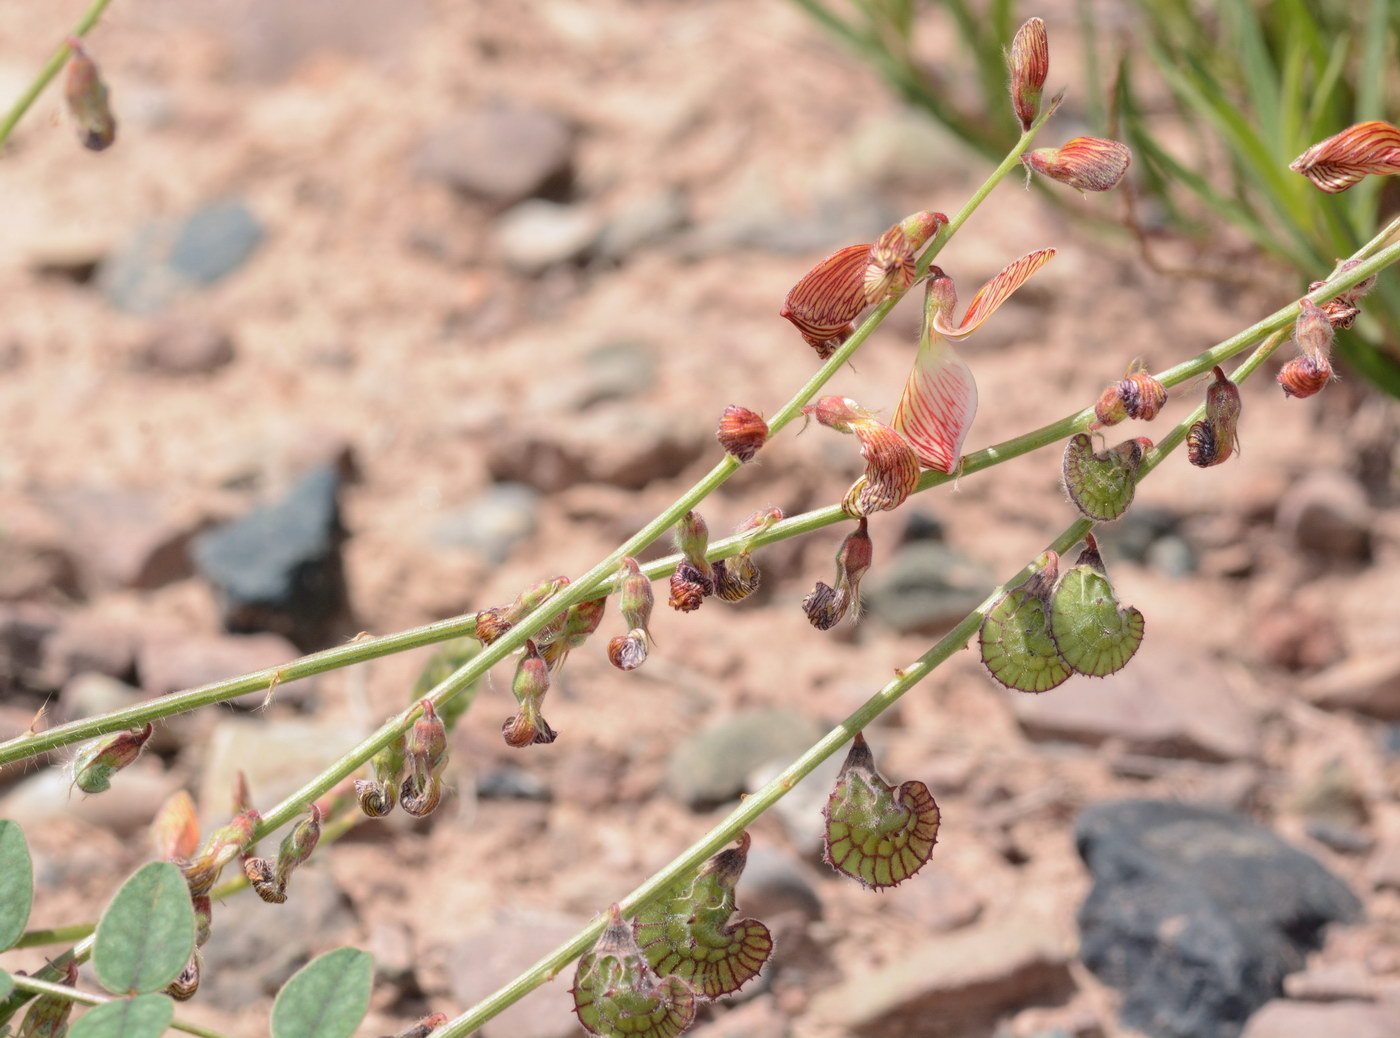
(940, 397)
(1136, 395)
(378, 796)
(826, 605)
(1212, 440)
(891, 469)
(1345, 159)
(1085, 163)
(528, 726)
(894, 257)
(693, 580)
(426, 753)
(580, 622)
(87, 99)
(224, 844)
(738, 577)
(629, 651)
(270, 880)
(186, 984)
(1030, 65)
(494, 622)
(741, 432)
(1313, 334)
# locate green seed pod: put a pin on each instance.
(1093, 633)
(1018, 647)
(616, 994)
(1102, 484)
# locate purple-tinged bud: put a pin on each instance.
(1085, 163)
(531, 683)
(636, 597)
(87, 99)
(693, 580)
(494, 622)
(426, 752)
(94, 767)
(203, 918)
(628, 651)
(825, 605)
(741, 432)
(1212, 440)
(1030, 65)
(224, 844)
(175, 828)
(579, 623)
(48, 1015)
(1305, 376)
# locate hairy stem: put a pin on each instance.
(755, 805)
(50, 69)
(35, 986)
(1379, 253)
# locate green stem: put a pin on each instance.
(1375, 255)
(51, 69)
(87, 998)
(55, 935)
(755, 805)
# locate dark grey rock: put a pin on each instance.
(1133, 536)
(170, 259)
(1196, 915)
(279, 568)
(493, 524)
(501, 154)
(1173, 556)
(925, 587)
(714, 764)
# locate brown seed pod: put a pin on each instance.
(741, 432)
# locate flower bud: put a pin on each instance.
(825, 605)
(580, 621)
(1085, 163)
(635, 597)
(894, 257)
(87, 99)
(693, 580)
(378, 796)
(628, 651)
(224, 844)
(1345, 159)
(741, 432)
(1030, 65)
(175, 828)
(426, 752)
(531, 682)
(494, 622)
(1212, 440)
(94, 766)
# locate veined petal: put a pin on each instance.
(828, 298)
(891, 471)
(1085, 163)
(1346, 158)
(991, 295)
(938, 405)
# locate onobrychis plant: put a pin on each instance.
(675, 941)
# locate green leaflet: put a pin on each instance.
(687, 933)
(145, 936)
(1018, 647)
(875, 833)
(16, 883)
(145, 1016)
(615, 994)
(1096, 636)
(326, 998)
(1101, 484)
(6, 984)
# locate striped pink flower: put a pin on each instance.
(891, 466)
(940, 396)
(1357, 152)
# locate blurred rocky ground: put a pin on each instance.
(377, 313)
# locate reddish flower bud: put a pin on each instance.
(635, 597)
(892, 468)
(1110, 408)
(690, 587)
(527, 728)
(1137, 395)
(628, 651)
(825, 605)
(426, 753)
(1358, 151)
(1030, 65)
(269, 881)
(741, 432)
(94, 766)
(492, 623)
(894, 257)
(579, 622)
(87, 99)
(828, 298)
(529, 686)
(175, 828)
(1085, 163)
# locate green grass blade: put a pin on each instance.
(145, 936)
(145, 1016)
(1363, 199)
(16, 883)
(326, 998)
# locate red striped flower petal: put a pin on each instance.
(828, 298)
(940, 398)
(895, 255)
(991, 295)
(1345, 159)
